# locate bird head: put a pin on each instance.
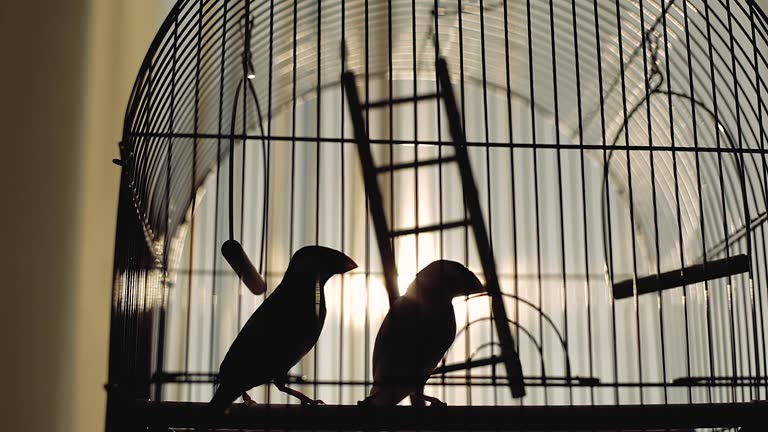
(321, 262)
(445, 279)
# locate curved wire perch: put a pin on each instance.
(251, 73)
(546, 317)
(720, 126)
(232, 250)
(521, 328)
(656, 90)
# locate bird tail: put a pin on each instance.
(218, 405)
(221, 400)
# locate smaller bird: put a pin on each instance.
(282, 330)
(417, 332)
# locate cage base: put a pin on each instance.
(180, 415)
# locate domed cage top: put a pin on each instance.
(600, 165)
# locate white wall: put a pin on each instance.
(67, 69)
(42, 89)
(119, 34)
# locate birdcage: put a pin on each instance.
(600, 165)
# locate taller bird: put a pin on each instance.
(417, 332)
(282, 330)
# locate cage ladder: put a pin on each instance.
(474, 220)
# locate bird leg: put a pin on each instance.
(247, 400)
(305, 400)
(433, 401)
(417, 401)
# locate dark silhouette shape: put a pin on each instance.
(282, 330)
(417, 332)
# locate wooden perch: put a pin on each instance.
(686, 276)
(493, 360)
(241, 264)
(452, 418)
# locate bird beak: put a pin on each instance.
(347, 264)
(475, 286)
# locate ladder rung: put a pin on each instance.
(422, 163)
(396, 101)
(430, 228)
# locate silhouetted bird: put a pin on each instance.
(417, 332)
(282, 330)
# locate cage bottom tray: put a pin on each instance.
(181, 415)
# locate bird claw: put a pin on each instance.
(248, 401)
(433, 401)
(312, 402)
